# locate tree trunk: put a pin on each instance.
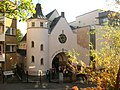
(117, 80)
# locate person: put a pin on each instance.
(75, 88)
(47, 74)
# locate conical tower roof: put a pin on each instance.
(38, 13)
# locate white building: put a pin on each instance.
(48, 38)
(94, 17)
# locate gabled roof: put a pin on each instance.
(21, 52)
(24, 38)
(49, 14)
(72, 27)
(54, 22)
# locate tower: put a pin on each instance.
(37, 42)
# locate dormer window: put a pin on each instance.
(33, 24)
(41, 24)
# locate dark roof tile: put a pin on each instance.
(49, 14)
(38, 13)
(24, 38)
(54, 22)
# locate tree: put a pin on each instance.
(107, 59)
(19, 9)
(109, 53)
(19, 36)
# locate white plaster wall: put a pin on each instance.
(55, 46)
(89, 18)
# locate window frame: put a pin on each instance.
(10, 31)
(10, 48)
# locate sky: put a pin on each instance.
(71, 8)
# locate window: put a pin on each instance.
(7, 30)
(41, 47)
(10, 48)
(32, 44)
(41, 61)
(33, 59)
(33, 24)
(41, 24)
(13, 31)
(10, 31)
(105, 21)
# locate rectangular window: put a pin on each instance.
(10, 31)
(33, 24)
(10, 48)
(41, 24)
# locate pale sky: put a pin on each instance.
(72, 8)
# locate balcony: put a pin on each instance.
(2, 37)
(2, 57)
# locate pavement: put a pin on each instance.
(14, 83)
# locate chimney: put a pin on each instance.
(62, 14)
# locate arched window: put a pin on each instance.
(41, 61)
(32, 44)
(33, 59)
(41, 47)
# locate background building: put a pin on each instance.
(8, 58)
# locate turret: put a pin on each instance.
(37, 42)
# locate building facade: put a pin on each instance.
(8, 57)
(94, 20)
(49, 38)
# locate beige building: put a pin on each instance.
(7, 43)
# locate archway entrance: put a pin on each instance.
(58, 64)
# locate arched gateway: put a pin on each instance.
(59, 63)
